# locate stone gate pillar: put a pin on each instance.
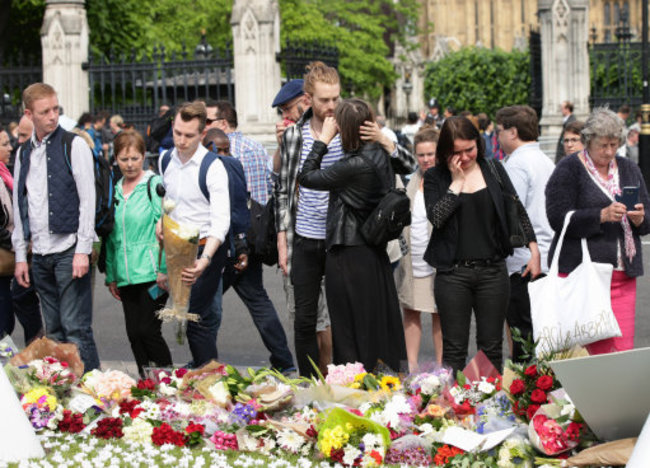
(564, 28)
(256, 36)
(64, 41)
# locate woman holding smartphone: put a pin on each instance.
(608, 194)
(132, 253)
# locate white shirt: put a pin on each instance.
(182, 186)
(389, 133)
(419, 237)
(529, 170)
(43, 241)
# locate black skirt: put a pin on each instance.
(364, 309)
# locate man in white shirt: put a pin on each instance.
(529, 169)
(54, 208)
(209, 210)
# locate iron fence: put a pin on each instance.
(536, 90)
(136, 88)
(616, 75)
(296, 55)
(14, 77)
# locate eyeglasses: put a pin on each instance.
(571, 141)
(286, 107)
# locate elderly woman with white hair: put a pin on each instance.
(589, 182)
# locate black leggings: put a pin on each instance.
(143, 326)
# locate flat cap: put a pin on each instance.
(290, 90)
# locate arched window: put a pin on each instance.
(617, 13)
(608, 16)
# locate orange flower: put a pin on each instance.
(435, 411)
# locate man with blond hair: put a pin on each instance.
(54, 208)
(197, 181)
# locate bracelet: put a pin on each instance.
(207, 257)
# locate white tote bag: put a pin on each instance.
(575, 310)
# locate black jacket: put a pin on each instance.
(441, 209)
(355, 189)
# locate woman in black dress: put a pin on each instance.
(361, 294)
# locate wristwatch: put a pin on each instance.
(206, 256)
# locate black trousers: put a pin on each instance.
(307, 270)
(484, 289)
(143, 326)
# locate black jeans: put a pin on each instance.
(307, 270)
(143, 326)
(486, 290)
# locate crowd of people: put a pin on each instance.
(350, 298)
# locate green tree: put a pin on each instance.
(361, 30)
(479, 79)
(20, 22)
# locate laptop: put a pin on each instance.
(611, 391)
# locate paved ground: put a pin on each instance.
(239, 342)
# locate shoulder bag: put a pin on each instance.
(513, 207)
(575, 310)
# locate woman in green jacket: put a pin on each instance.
(132, 253)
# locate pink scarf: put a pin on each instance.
(6, 177)
(611, 185)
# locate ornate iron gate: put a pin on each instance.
(14, 77)
(135, 89)
(295, 56)
(535, 94)
(616, 76)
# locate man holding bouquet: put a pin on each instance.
(199, 189)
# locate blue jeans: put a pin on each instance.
(484, 289)
(202, 335)
(249, 286)
(67, 304)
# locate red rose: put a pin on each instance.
(538, 396)
(179, 373)
(545, 382)
(531, 371)
(517, 387)
(531, 410)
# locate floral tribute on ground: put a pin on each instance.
(222, 416)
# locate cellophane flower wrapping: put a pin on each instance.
(349, 439)
(41, 348)
(181, 244)
(554, 428)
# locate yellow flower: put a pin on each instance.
(333, 439)
(40, 396)
(359, 377)
(390, 383)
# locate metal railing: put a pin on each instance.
(14, 77)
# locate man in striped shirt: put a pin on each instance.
(301, 213)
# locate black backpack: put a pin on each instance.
(262, 238)
(389, 218)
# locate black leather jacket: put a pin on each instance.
(355, 189)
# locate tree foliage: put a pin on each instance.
(479, 79)
(20, 22)
(360, 29)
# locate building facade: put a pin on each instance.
(450, 24)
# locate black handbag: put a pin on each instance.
(513, 210)
(389, 218)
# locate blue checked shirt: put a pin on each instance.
(253, 156)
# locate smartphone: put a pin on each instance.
(629, 197)
(155, 291)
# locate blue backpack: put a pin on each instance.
(240, 217)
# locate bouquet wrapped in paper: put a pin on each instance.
(555, 428)
(181, 244)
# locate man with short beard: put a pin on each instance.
(301, 213)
